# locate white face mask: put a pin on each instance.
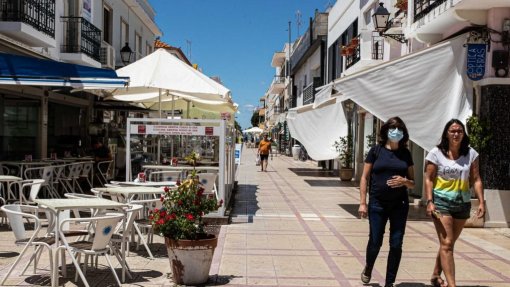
(395, 135)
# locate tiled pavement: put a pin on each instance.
(296, 225)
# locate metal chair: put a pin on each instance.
(46, 173)
(143, 222)
(104, 227)
(104, 171)
(15, 214)
(121, 237)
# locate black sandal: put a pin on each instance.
(437, 282)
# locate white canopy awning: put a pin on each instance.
(318, 129)
(161, 70)
(426, 89)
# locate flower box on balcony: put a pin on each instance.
(355, 42)
(343, 52)
(401, 5)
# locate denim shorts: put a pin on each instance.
(456, 210)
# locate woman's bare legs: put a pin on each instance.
(448, 231)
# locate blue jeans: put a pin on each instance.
(379, 213)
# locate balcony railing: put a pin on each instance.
(377, 47)
(353, 58)
(81, 36)
(423, 7)
(309, 92)
(40, 14)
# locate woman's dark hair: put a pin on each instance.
(392, 123)
(444, 145)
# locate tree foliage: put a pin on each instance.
(255, 119)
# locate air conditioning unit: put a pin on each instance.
(107, 56)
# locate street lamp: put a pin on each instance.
(125, 54)
(382, 24)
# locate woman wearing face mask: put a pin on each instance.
(389, 167)
(450, 169)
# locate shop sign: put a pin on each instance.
(225, 116)
(175, 130)
(237, 154)
(475, 66)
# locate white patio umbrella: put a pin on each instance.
(255, 130)
(161, 74)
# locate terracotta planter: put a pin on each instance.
(346, 174)
(190, 260)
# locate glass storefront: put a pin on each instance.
(19, 127)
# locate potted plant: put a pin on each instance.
(345, 151)
(479, 136)
(355, 42)
(180, 220)
(344, 51)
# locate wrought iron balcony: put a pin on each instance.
(353, 58)
(377, 47)
(309, 92)
(40, 14)
(423, 7)
(81, 36)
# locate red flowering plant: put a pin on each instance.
(184, 207)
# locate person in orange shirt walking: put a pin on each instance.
(264, 151)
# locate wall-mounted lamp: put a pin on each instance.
(125, 54)
(382, 24)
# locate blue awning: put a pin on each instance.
(20, 70)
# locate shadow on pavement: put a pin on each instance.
(416, 213)
(315, 172)
(330, 182)
(218, 280)
(244, 203)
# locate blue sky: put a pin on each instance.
(234, 39)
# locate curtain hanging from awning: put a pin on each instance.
(29, 71)
(425, 89)
(318, 129)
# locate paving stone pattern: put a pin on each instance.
(293, 226)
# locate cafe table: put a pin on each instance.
(57, 205)
(181, 167)
(8, 180)
(128, 192)
(145, 183)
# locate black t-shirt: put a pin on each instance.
(385, 164)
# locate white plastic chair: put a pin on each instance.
(122, 235)
(15, 214)
(164, 176)
(208, 181)
(104, 171)
(98, 245)
(86, 173)
(46, 173)
(2, 214)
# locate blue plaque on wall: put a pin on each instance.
(475, 66)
